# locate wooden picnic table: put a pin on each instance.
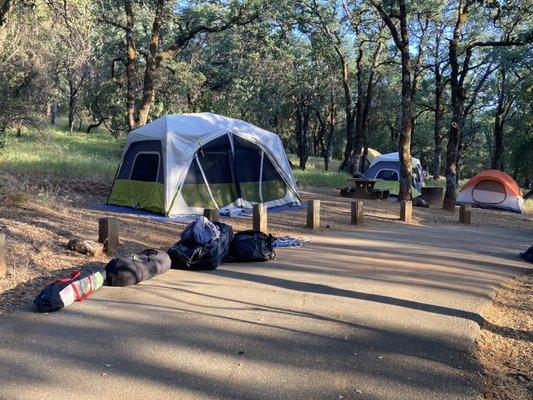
(363, 188)
(366, 184)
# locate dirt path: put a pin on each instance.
(374, 314)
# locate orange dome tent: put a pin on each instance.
(492, 189)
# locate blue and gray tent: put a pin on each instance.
(386, 169)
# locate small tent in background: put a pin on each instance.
(386, 168)
(181, 164)
(492, 189)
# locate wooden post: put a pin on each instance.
(313, 214)
(260, 217)
(357, 213)
(108, 234)
(406, 211)
(3, 254)
(465, 214)
(211, 214)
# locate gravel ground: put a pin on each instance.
(506, 353)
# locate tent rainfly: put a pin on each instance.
(182, 164)
(492, 189)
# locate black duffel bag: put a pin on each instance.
(188, 254)
(251, 246)
(135, 268)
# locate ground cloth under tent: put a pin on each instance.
(243, 213)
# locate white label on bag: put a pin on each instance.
(67, 296)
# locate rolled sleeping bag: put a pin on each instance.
(77, 287)
(135, 268)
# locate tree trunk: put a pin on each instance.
(362, 125)
(418, 70)
(457, 110)
(302, 133)
(499, 122)
(437, 128)
(328, 145)
(406, 168)
(151, 66)
(350, 116)
(131, 65)
(364, 158)
(54, 114)
(72, 103)
(497, 159)
(6, 7)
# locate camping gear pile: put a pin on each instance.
(203, 245)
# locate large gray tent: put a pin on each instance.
(181, 164)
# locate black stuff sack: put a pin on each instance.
(135, 268)
(189, 254)
(65, 291)
(251, 246)
(527, 255)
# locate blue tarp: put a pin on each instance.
(245, 212)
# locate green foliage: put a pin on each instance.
(280, 71)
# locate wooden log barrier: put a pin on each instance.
(260, 217)
(108, 234)
(406, 211)
(313, 214)
(3, 254)
(465, 214)
(357, 213)
(211, 214)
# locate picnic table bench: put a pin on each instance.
(363, 188)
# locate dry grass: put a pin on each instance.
(506, 354)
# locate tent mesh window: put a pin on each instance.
(246, 172)
(387, 175)
(489, 192)
(258, 183)
(273, 187)
(248, 169)
(216, 163)
(145, 167)
(143, 162)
